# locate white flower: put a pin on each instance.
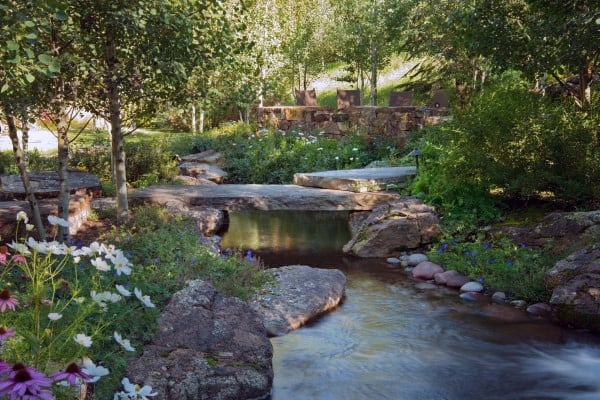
(144, 299)
(363, 189)
(93, 249)
(83, 340)
(58, 221)
(125, 343)
(121, 263)
(95, 371)
(104, 297)
(124, 292)
(133, 391)
(355, 149)
(54, 316)
(22, 216)
(39, 247)
(19, 248)
(100, 264)
(29, 227)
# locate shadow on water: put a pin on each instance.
(391, 340)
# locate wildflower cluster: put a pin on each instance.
(54, 303)
(514, 268)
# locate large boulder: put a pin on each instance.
(208, 220)
(394, 227)
(208, 347)
(298, 294)
(203, 170)
(576, 288)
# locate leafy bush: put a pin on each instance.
(515, 144)
(274, 156)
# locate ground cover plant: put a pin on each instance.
(72, 314)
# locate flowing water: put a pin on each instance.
(392, 340)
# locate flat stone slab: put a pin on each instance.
(371, 179)
(45, 184)
(262, 197)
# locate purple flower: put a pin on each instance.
(486, 246)
(523, 246)
(25, 383)
(509, 263)
(71, 374)
(481, 279)
(5, 333)
(7, 301)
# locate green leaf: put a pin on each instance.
(60, 15)
(4, 88)
(31, 36)
(12, 46)
(54, 66)
(29, 24)
(30, 78)
(45, 59)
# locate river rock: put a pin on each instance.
(475, 296)
(396, 226)
(442, 277)
(575, 281)
(208, 347)
(425, 286)
(416, 258)
(539, 309)
(518, 303)
(208, 220)
(499, 297)
(426, 270)
(298, 294)
(471, 287)
(203, 170)
(456, 281)
(393, 260)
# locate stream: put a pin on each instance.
(392, 340)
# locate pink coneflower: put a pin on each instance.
(24, 383)
(71, 374)
(7, 301)
(19, 259)
(5, 333)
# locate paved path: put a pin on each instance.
(262, 197)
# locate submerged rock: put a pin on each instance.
(298, 294)
(208, 347)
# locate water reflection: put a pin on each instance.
(390, 340)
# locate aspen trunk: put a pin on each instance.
(22, 166)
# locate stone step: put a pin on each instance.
(262, 197)
(356, 180)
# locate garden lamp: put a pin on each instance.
(416, 153)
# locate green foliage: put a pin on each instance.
(274, 156)
(498, 263)
(510, 144)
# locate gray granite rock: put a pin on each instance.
(208, 347)
(298, 294)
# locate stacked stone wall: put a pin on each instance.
(378, 121)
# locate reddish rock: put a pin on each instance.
(426, 270)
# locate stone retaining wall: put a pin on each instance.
(386, 121)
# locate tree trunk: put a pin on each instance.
(193, 118)
(25, 137)
(374, 56)
(201, 122)
(585, 89)
(22, 166)
(62, 129)
(114, 111)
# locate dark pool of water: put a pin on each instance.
(390, 340)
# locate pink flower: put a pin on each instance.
(71, 374)
(24, 383)
(5, 333)
(7, 301)
(19, 259)
(3, 254)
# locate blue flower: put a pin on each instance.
(445, 246)
(491, 260)
(509, 263)
(481, 279)
(441, 250)
(474, 254)
(156, 260)
(486, 246)
(523, 246)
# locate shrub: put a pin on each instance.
(515, 144)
